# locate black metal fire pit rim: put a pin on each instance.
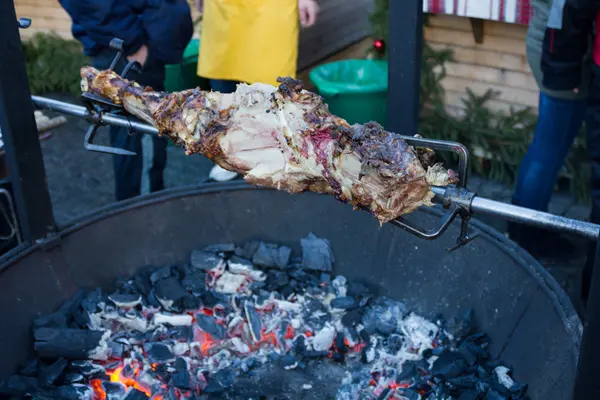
(559, 298)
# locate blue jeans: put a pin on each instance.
(223, 86)
(128, 169)
(559, 122)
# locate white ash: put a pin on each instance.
(230, 283)
(102, 351)
(172, 319)
(126, 304)
(504, 378)
(419, 331)
(242, 269)
(323, 340)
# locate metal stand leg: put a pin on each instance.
(587, 384)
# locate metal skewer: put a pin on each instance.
(459, 200)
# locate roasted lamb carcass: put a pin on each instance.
(285, 138)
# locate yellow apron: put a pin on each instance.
(249, 40)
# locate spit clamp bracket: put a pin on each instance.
(456, 199)
(97, 105)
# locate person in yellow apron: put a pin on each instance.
(250, 41)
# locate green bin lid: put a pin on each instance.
(192, 50)
(351, 76)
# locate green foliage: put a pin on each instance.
(53, 63)
(497, 140)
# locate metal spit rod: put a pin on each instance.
(477, 204)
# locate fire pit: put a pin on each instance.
(531, 323)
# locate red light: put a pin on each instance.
(378, 44)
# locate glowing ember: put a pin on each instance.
(99, 393)
(117, 376)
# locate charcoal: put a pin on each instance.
(72, 377)
(73, 344)
(90, 303)
(286, 291)
(18, 385)
(315, 354)
(55, 320)
(48, 374)
(195, 282)
(276, 280)
(461, 327)
(158, 352)
(472, 352)
(114, 390)
(219, 381)
(298, 274)
(325, 279)
(464, 382)
(75, 392)
(384, 316)
(340, 344)
(189, 302)
(170, 293)
(152, 300)
(72, 303)
(316, 313)
(87, 368)
(141, 282)
(125, 300)
(116, 349)
(181, 378)
(409, 371)
(493, 395)
(410, 394)
(256, 285)
(160, 273)
(254, 321)
(469, 395)
(248, 250)
(272, 256)
(352, 317)
(300, 345)
(289, 361)
(448, 365)
(316, 253)
(29, 368)
(209, 325)
(220, 248)
(205, 260)
(393, 343)
(518, 390)
(344, 303)
(135, 394)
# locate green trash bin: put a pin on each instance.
(183, 76)
(355, 90)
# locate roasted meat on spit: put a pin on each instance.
(285, 138)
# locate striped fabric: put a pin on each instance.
(512, 11)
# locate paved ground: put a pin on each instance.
(81, 181)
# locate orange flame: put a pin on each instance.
(206, 341)
(289, 333)
(116, 376)
(99, 393)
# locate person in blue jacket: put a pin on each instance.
(155, 33)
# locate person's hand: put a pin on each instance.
(199, 5)
(308, 10)
(140, 56)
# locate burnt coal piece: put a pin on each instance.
(254, 321)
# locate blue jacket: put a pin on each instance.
(165, 26)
